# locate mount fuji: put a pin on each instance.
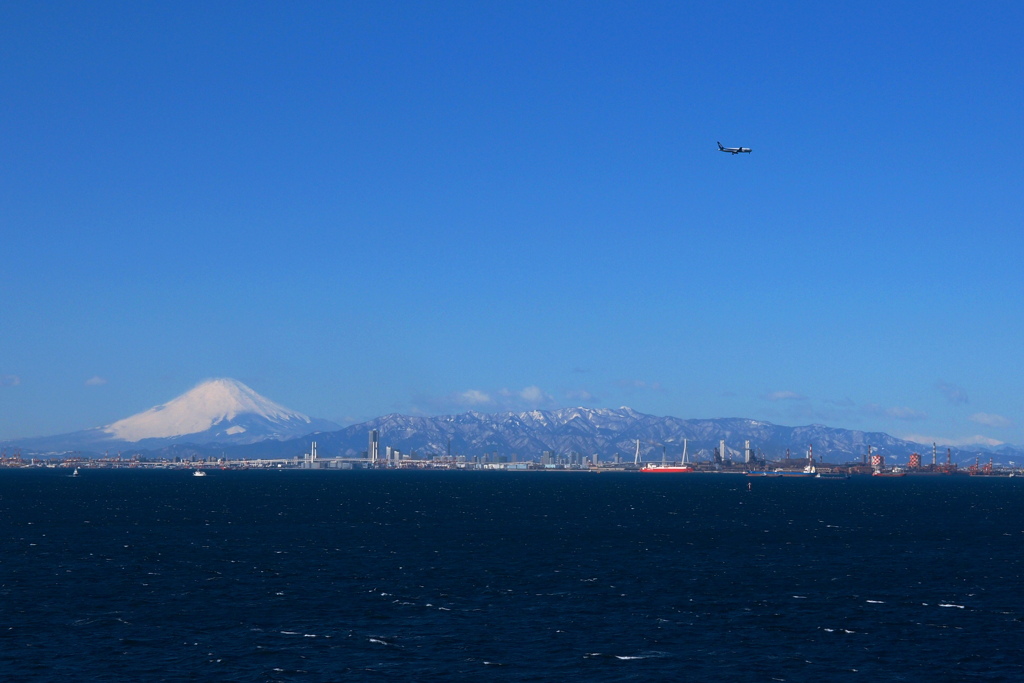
(217, 411)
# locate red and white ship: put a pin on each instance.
(667, 468)
(683, 467)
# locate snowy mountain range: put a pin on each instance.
(225, 417)
(217, 411)
(609, 431)
(606, 432)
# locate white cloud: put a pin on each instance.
(474, 397)
(785, 396)
(895, 412)
(535, 395)
(95, 381)
(976, 440)
(527, 398)
(580, 395)
(9, 380)
(904, 413)
(990, 420)
(954, 394)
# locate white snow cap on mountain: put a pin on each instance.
(208, 404)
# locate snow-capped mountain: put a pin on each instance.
(221, 411)
(605, 431)
(220, 406)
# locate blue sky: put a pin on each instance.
(370, 207)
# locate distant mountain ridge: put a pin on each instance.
(224, 417)
(587, 431)
(605, 432)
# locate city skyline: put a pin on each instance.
(370, 209)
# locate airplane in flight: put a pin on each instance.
(733, 150)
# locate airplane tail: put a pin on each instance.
(720, 146)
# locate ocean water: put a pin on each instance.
(420, 576)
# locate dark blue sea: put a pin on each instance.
(130, 575)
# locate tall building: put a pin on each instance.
(374, 450)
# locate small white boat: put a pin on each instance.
(199, 473)
(75, 473)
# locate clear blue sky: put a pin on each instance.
(369, 207)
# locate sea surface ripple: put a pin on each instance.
(318, 576)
